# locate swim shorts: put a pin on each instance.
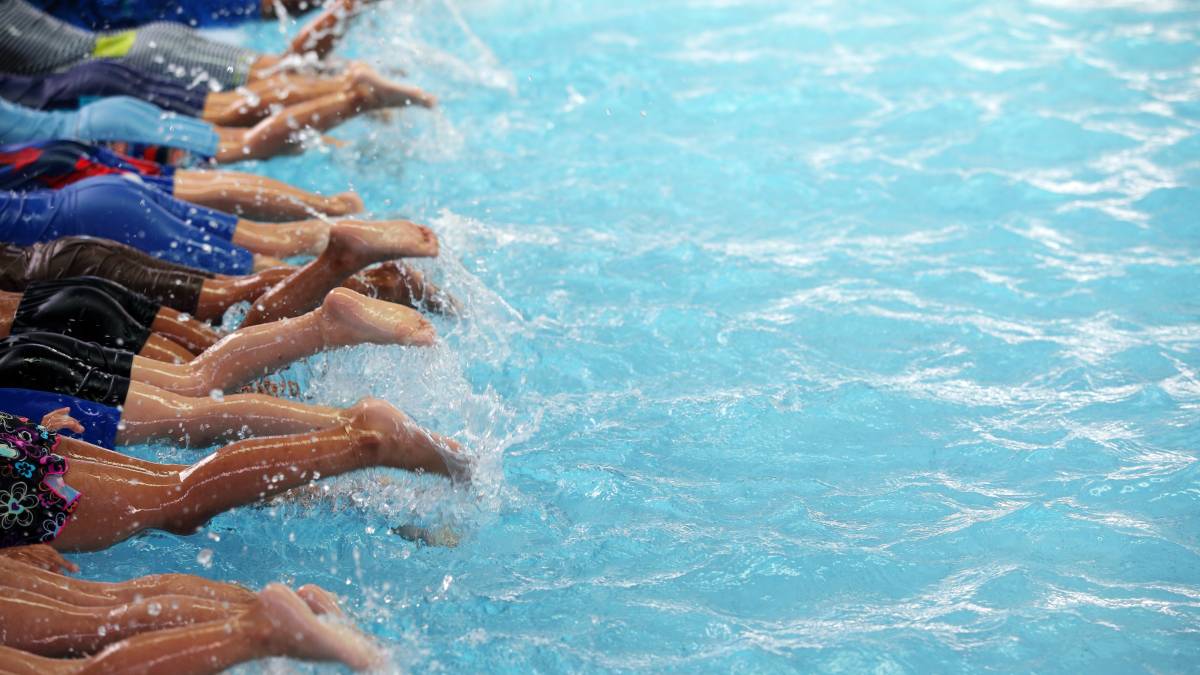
(54, 164)
(108, 14)
(63, 365)
(99, 421)
(122, 209)
(35, 43)
(166, 283)
(35, 502)
(93, 79)
(115, 118)
(89, 309)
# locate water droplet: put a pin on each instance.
(154, 609)
(217, 395)
(204, 557)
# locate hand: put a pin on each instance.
(57, 420)
(40, 555)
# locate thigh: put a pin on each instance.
(120, 498)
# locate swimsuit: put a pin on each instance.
(88, 309)
(35, 503)
(91, 79)
(99, 421)
(105, 14)
(124, 210)
(54, 164)
(116, 118)
(37, 43)
(63, 365)
(175, 286)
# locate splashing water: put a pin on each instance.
(836, 338)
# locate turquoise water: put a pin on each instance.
(821, 337)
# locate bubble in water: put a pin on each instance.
(154, 609)
(204, 557)
(217, 395)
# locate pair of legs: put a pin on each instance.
(261, 98)
(61, 613)
(306, 237)
(344, 319)
(207, 296)
(275, 622)
(392, 282)
(276, 134)
(124, 495)
(170, 401)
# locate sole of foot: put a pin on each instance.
(405, 445)
(349, 318)
(368, 243)
(297, 632)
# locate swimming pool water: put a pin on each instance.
(823, 337)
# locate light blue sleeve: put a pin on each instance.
(121, 118)
(19, 124)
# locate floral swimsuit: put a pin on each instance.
(35, 503)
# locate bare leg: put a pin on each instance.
(122, 498)
(350, 249)
(289, 6)
(277, 624)
(286, 292)
(153, 414)
(261, 98)
(258, 196)
(218, 295)
(276, 134)
(159, 348)
(303, 237)
(344, 319)
(17, 662)
(53, 628)
(299, 237)
(81, 593)
(193, 335)
(321, 34)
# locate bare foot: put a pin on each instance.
(402, 444)
(441, 536)
(397, 282)
(294, 631)
(319, 600)
(364, 243)
(348, 318)
(379, 92)
(343, 204)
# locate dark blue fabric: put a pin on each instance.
(53, 164)
(67, 90)
(99, 421)
(120, 209)
(109, 14)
